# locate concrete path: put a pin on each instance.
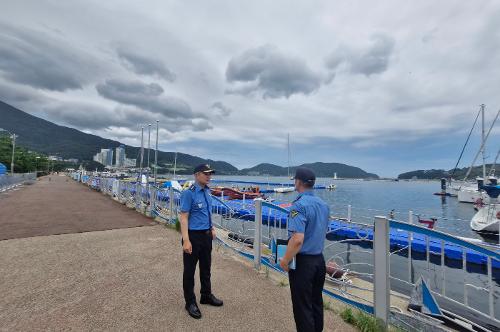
(125, 279)
(61, 206)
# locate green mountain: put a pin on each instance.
(48, 138)
(431, 174)
(320, 169)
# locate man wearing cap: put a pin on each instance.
(197, 235)
(307, 228)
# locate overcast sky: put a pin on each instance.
(390, 87)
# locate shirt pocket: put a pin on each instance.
(198, 205)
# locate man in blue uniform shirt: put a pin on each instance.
(307, 228)
(197, 235)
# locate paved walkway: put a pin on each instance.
(119, 279)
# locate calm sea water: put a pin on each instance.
(371, 198)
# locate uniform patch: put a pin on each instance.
(294, 213)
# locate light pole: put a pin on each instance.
(156, 151)
(13, 137)
(36, 166)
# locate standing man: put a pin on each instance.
(197, 235)
(307, 228)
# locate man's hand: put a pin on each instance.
(187, 247)
(284, 265)
(214, 235)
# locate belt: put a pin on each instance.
(309, 255)
(199, 231)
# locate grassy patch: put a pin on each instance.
(283, 282)
(327, 305)
(363, 321)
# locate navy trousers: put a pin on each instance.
(306, 286)
(202, 253)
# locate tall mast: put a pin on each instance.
(288, 149)
(483, 142)
(175, 163)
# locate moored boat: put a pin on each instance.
(487, 219)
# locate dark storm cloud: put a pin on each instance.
(372, 60)
(222, 109)
(95, 117)
(41, 61)
(145, 96)
(277, 75)
(144, 65)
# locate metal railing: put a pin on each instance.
(373, 267)
(9, 182)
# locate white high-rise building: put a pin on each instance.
(120, 156)
(107, 157)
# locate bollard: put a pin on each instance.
(381, 266)
(349, 212)
(258, 233)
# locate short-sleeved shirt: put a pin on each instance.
(198, 202)
(309, 215)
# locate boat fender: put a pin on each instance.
(498, 215)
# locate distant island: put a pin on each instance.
(319, 168)
(433, 174)
(78, 148)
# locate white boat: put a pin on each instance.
(487, 219)
(470, 195)
(283, 190)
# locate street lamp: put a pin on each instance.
(13, 137)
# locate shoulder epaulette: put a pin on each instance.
(192, 188)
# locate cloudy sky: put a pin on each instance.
(390, 87)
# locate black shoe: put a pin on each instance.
(212, 300)
(193, 310)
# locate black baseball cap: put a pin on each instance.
(205, 168)
(305, 175)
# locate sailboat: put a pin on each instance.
(286, 189)
(472, 195)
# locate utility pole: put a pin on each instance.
(13, 137)
(149, 152)
(142, 154)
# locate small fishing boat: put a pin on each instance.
(235, 193)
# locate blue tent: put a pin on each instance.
(3, 169)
